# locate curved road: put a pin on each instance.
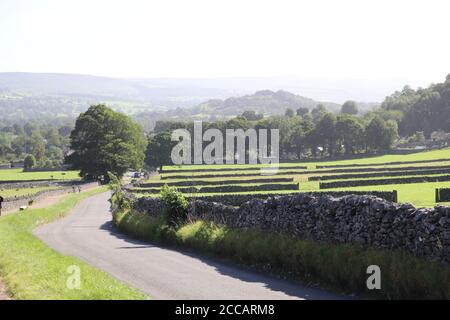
(161, 273)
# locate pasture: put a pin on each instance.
(15, 183)
(11, 193)
(19, 175)
(414, 176)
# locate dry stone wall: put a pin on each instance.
(233, 199)
(355, 219)
(17, 202)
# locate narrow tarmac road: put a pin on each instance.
(161, 273)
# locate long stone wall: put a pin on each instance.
(238, 199)
(15, 203)
(20, 184)
(364, 220)
(191, 182)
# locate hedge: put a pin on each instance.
(224, 169)
(380, 164)
(359, 183)
(442, 195)
(205, 183)
(238, 199)
(380, 174)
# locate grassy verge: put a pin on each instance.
(32, 270)
(334, 266)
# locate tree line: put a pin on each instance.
(423, 110)
(43, 144)
(303, 133)
(104, 140)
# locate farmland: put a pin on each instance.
(15, 183)
(11, 193)
(414, 176)
(20, 175)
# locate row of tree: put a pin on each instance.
(46, 143)
(107, 141)
(303, 134)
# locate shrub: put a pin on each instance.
(29, 162)
(176, 205)
(119, 200)
(114, 182)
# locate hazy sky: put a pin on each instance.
(195, 38)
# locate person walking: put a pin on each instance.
(1, 200)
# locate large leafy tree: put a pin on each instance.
(349, 107)
(29, 162)
(252, 115)
(104, 140)
(298, 141)
(302, 111)
(159, 150)
(380, 134)
(349, 132)
(326, 132)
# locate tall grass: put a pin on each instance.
(334, 266)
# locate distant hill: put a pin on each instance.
(264, 101)
(94, 87)
(43, 96)
(35, 96)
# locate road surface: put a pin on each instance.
(161, 273)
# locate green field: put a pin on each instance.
(11, 193)
(419, 156)
(418, 194)
(18, 174)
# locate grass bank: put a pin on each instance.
(333, 266)
(32, 270)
